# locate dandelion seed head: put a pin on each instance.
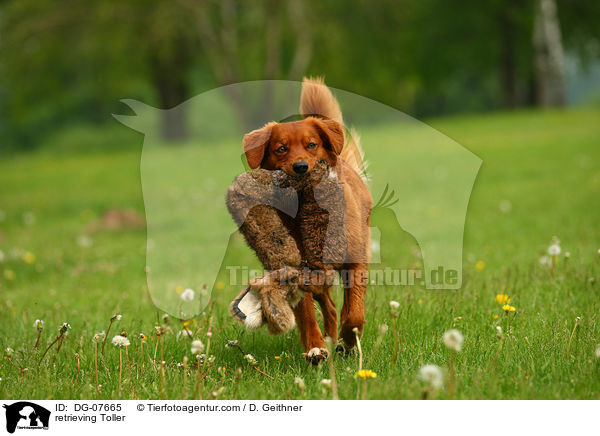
(187, 295)
(383, 329)
(431, 375)
(197, 346)
(185, 332)
(39, 324)
(84, 241)
(394, 305)
(299, 381)
(545, 261)
(554, 250)
(120, 341)
(505, 206)
(453, 339)
(99, 337)
(326, 383)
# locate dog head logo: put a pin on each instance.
(422, 178)
(26, 415)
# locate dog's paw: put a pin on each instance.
(316, 355)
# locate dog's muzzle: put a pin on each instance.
(300, 167)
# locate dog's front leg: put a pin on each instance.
(310, 334)
(354, 277)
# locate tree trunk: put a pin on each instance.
(170, 80)
(549, 64)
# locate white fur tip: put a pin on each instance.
(254, 320)
(314, 352)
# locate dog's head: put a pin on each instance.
(294, 147)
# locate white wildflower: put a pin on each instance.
(187, 295)
(84, 241)
(499, 332)
(326, 383)
(120, 341)
(545, 261)
(394, 305)
(185, 332)
(431, 375)
(299, 381)
(453, 340)
(250, 359)
(99, 337)
(197, 347)
(554, 250)
(505, 206)
(39, 324)
(28, 218)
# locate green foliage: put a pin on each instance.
(72, 63)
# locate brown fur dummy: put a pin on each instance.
(261, 202)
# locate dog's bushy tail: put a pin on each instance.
(316, 100)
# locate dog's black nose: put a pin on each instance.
(300, 167)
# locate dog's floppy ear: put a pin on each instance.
(331, 133)
(255, 144)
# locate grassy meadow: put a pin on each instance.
(539, 178)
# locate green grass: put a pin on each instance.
(544, 163)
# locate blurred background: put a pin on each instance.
(64, 67)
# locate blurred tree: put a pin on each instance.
(549, 58)
(70, 62)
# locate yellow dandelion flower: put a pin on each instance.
(29, 257)
(220, 285)
(365, 374)
(179, 289)
(277, 357)
(508, 308)
(9, 274)
(495, 316)
(502, 299)
(419, 301)
(480, 265)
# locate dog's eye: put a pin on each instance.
(281, 149)
(311, 145)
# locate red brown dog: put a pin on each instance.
(295, 148)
